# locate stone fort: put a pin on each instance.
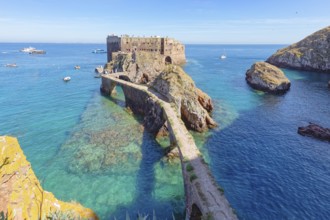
(171, 50)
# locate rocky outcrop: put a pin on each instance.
(140, 67)
(204, 100)
(193, 105)
(21, 195)
(316, 131)
(266, 77)
(311, 53)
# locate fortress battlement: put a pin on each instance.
(172, 50)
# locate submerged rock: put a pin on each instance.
(192, 104)
(311, 53)
(316, 131)
(21, 195)
(266, 77)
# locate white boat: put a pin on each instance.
(28, 49)
(77, 67)
(99, 51)
(11, 65)
(223, 56)
(67, 78)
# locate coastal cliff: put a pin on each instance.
(21, 195)
(311, 53)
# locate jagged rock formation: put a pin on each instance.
(266, 77)
(168, 80)
(311, 53)
(316, 131)
(194, 105)
(21, 195)
(141, 67)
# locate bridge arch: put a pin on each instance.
(196, 213)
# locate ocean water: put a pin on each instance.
(87, 148)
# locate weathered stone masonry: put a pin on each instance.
(170, 49)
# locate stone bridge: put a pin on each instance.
(204, 198)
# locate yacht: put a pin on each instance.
(99, 51)
(28, 49)
(77, 67)
(223, 55)
(67, 78)
(37, 52)
(11, 65)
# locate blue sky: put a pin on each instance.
(190, 21)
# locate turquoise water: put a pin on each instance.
(88, 148)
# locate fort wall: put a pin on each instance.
(170, 49)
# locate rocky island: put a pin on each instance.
(311, 53)
(266, 77)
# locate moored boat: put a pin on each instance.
(11, 65)
(99, 51)
(27, 49)
(37, 52)
(67, 78)
(77, 67)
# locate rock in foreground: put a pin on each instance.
(311, 53)
(316, 131)
(21, 195)
(266, 77)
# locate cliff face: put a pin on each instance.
(21, 195)
(193, 105)
(266, 77)
(141, 67)
(168, 80)
(311, 53)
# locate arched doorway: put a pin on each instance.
(168, 60)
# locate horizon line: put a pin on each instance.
(4, 42)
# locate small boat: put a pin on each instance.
(67, 78)
(77, 67)
(223, 55)
(99, 51)
(37, 52)
(11, 65)
(27, 49)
